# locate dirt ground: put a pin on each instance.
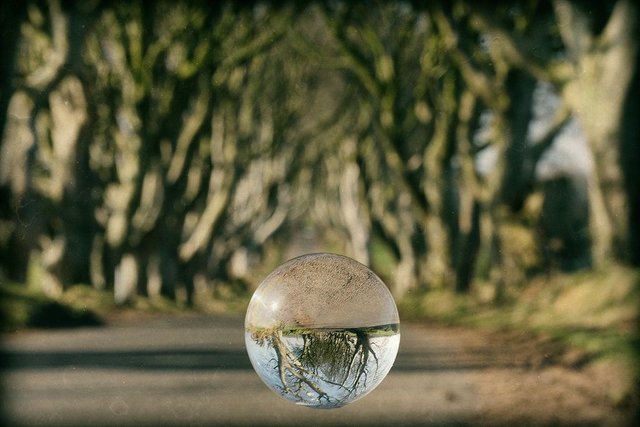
(522, 379)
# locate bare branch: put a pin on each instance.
(477, 81)
(42, 77)
(518, 51)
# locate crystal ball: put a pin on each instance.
(322, 330)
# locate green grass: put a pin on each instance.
(595, 311)
(373, 331)
(23, 307)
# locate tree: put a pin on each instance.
(326, 368)
(401, 155)
(136, 188)
(590, 61)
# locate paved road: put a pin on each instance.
(194, 371)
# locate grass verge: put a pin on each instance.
(23, 307)
(595, 313)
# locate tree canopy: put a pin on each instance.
(171, 147)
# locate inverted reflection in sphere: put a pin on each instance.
(322, 330)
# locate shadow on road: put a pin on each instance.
(167, 359)
(199, 359)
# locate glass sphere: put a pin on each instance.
(322, 330)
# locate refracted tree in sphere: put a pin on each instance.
(325, 367)
(322, 330)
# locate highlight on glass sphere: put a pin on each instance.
(322, 330)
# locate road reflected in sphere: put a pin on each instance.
(322, 330)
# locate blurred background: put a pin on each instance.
(171, 148)
(475, 156)
(482, 159)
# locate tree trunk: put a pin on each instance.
(602, 78)
(12, 14)
(353, 204)
(630, 159)
(517, 183)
